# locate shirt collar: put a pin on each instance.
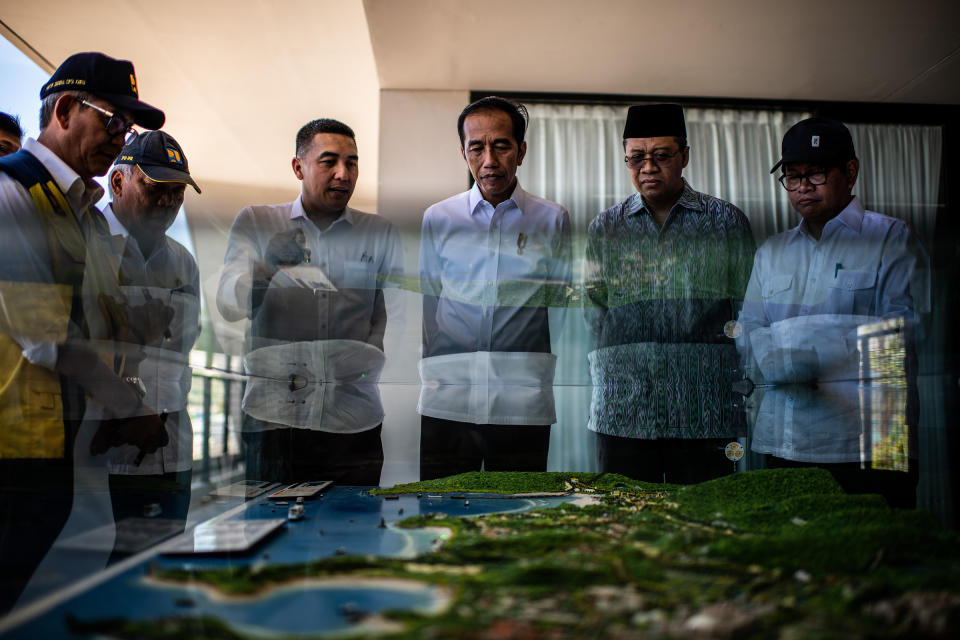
(689, 200)
(297, 211)
(851, 216)
(475, 198)
(70, 183)
(116, 227)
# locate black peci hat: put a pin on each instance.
(107, 78)
(816, 140)
(159, 156)
(655, 120)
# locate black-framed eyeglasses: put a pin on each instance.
(792, 181)
(658, 158)
(116, 124)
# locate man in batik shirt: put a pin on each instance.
(666, 272)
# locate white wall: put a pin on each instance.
(420, 164)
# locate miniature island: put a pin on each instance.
(763, 554)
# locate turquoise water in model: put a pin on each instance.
(344, 521)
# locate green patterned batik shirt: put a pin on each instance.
(658, 300)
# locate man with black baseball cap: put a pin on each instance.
(826, 147)
(841, 268)
(147, 183)
(106, 78)
(89, 108)
(666, 271)
(63, 311)
(841, 258)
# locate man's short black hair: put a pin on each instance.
(321, 125)
(516, 111)
(11, 125)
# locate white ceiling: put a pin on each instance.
(238, 78)
(877, 50)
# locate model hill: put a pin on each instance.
(763, 554)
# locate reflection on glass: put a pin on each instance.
(307, 278)
(885, 394)
(98, 319)
(831, 305)
(147, 186)
(493, 261)
(72, 339)
(666, 269)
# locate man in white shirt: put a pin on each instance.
(309, 276)
(148, 182)
(494, 266)
(816, 288)
(63, 313)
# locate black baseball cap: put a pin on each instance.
(107, 78)
(816, 140)
(159, 156)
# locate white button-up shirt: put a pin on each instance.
(865, 264)
(338, 294)
(169, 274)
(79, 195)
(490, 277)
(489, 274)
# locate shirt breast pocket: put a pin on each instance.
(853, 292)
(359, 274)
(185, 328)
(532, 258)
(778, 290)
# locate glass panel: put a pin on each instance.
(648, 332)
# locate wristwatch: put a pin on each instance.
(137, 385)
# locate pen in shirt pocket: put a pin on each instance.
(836, 270)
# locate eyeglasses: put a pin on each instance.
(116, 124)
(792, 181)
(658, 158)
